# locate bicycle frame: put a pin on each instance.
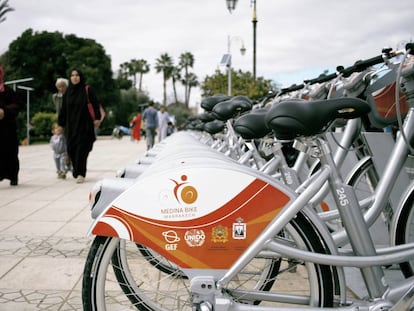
(367, 254)
(176, 199)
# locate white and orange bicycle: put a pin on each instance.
(234, 236)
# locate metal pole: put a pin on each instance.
(254, 21)
(28, 89)
(27, 116)
(229, 67)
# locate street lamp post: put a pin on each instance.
(28, 90)
(254, 21)
(231, 6)
(226, 60)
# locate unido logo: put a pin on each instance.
(183, 192)
(195, 237)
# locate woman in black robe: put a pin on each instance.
(10, 106)
(77, 121)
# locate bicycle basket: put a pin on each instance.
(381, 98)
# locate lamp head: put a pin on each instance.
(231, 5)
(243, 50)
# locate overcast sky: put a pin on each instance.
(296, 40)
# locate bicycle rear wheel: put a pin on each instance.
(144, 287)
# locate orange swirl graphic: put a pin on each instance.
(189, 194)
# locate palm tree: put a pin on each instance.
(186, 61)
(165, 65)
(124, 70)
(132, 70)
(191, 81)
(4, 8)
(175, 76)
(141, 67)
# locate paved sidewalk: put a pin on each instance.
(43, 226)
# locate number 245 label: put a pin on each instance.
(343, 200)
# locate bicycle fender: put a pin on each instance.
(198, 216)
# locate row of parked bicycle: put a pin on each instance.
(306, 187)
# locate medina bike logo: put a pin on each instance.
(184, 193)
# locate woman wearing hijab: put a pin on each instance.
(78, 123)
(9, 143)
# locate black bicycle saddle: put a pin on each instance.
(206, 117)
(252, 125)
(230, 108)
(293, 118)
(214, 127)
(208, 103)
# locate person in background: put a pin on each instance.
(163, 119)
(58, 145)
(57, 98)
(78, 124)
(170, 128)
(61, 85)
(150, 117)
(135, 125)
(10, 106)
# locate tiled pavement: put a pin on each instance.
(43, 226)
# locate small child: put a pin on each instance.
(170, 128)
(58, 144)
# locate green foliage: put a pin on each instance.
(165, 65)
(42, 124)
(123, 84)
(131, 102)
(242, 84)
(181, 113)
(45, 56)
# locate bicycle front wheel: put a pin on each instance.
(118, 277)
(404, 232)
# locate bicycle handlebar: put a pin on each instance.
(322, 78)
(358, 66)
(291, 88)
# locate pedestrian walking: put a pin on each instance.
(10, 106)
(78, 122)
(57, 98)
(150, 117)
(163, 119)
(135, 126)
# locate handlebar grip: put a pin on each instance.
(360, 65)
(326, 78)
(364, 64)
(291, 88)
(322, 78)
(346, 72)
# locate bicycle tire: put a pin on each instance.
(404, 232)
(368, 173)
(364, 181)
(101, 290)
(159, 262)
